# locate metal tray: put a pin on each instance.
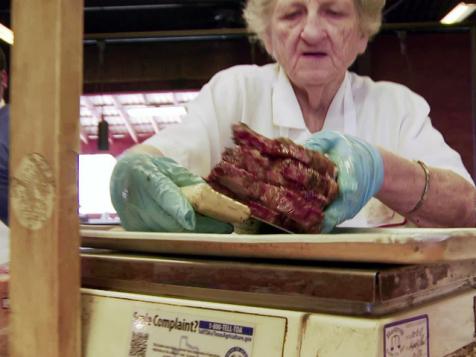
(389, 245)
(334, 287)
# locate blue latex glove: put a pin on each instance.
(360, 173)
(145, 191)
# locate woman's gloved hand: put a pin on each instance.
(145, 191)
(360, 173)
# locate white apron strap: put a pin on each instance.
(350, 114)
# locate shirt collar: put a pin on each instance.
(341, 115)
(287, 112)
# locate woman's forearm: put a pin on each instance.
(449, 202)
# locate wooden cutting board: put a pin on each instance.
(396, 245)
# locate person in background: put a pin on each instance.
(4, 230)
(4, 140)
(394, 167)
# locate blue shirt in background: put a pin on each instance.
(4, 154)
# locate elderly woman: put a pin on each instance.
(394, 167)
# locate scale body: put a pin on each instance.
(166, 304)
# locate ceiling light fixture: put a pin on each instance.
(459, 13)
(6, 34)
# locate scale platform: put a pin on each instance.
(292, 306)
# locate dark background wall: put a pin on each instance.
(438, 67)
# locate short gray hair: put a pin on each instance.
(370, 15)
(257, 14)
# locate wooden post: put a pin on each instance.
(45, 89)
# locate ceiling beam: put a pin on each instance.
(92, 109)
(152, 120)
(83, 136)
(125, 118)
(174, 96)
(221, 33)
(94, 113)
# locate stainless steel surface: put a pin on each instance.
(351, 289)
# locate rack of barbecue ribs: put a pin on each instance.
(282, 183)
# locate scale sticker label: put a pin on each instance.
(407, 338)
(165, 334)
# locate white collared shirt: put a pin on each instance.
(382, 113)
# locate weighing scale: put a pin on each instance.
(356, 293)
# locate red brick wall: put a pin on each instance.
(438, 67)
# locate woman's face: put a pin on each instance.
(315, 40)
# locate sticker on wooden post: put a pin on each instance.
(33, 191)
